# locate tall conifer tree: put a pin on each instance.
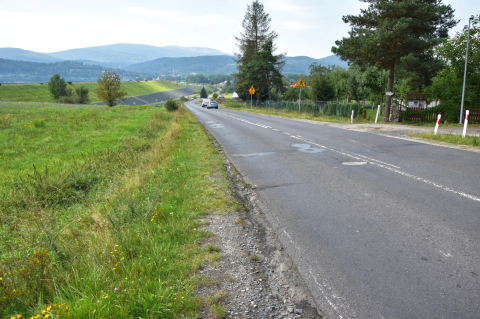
(391, 33)
(256, 33)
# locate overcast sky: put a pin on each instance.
(304, 27)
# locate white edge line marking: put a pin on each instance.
(324, 294)
(395, 170)
(426, 181)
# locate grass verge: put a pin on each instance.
(292, 114)
(455, 139)
(99, 211)
(370, 117)
(40, 93)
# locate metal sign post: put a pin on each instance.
(300, 84)
(252, 92)
(299, 98)
(465, 71)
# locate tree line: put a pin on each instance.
(208, 79)
(12, 71)
(393, 46)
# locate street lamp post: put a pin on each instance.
(465, 71)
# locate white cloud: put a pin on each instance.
(286, 7)
(49, 32)
(174, 16)
(294, 25)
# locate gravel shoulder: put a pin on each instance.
(257, 277)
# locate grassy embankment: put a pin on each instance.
(99, 211)
(40, 93)
(455, 139)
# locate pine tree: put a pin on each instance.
(390, 34)
(256, 63)
(256, 32)
(263, 72)
(322, 86)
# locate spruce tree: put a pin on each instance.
(203, 93)
(256, 34)
(263, 72)
(390, 34)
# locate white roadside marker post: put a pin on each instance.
(438, 122)
(467, 114)
(352, 115)
(378, 112)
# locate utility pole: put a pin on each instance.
(465, 71)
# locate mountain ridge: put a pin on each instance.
(223, 64)
(128, 53)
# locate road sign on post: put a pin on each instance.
(300, 84)
(252, 92)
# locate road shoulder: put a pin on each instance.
(259, 278)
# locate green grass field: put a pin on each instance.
(99, 211)
(40, 93)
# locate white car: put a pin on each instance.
(205, 102)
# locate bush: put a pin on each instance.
(451, 113)
(69, 82)
(81, 95)
(183, 99)
(171, 105)
(362, 112)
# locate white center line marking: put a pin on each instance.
(381, 164)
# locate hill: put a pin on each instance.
(223, 64)
(124, 53)
(25, 55)
(12, 71)
(40, 93)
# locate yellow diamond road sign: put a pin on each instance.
(252, 90)
(300, 83)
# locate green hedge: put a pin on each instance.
(342, 110)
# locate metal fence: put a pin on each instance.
(304, 106)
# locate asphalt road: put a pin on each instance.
(379, 227)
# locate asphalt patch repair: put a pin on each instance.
(253, 276)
